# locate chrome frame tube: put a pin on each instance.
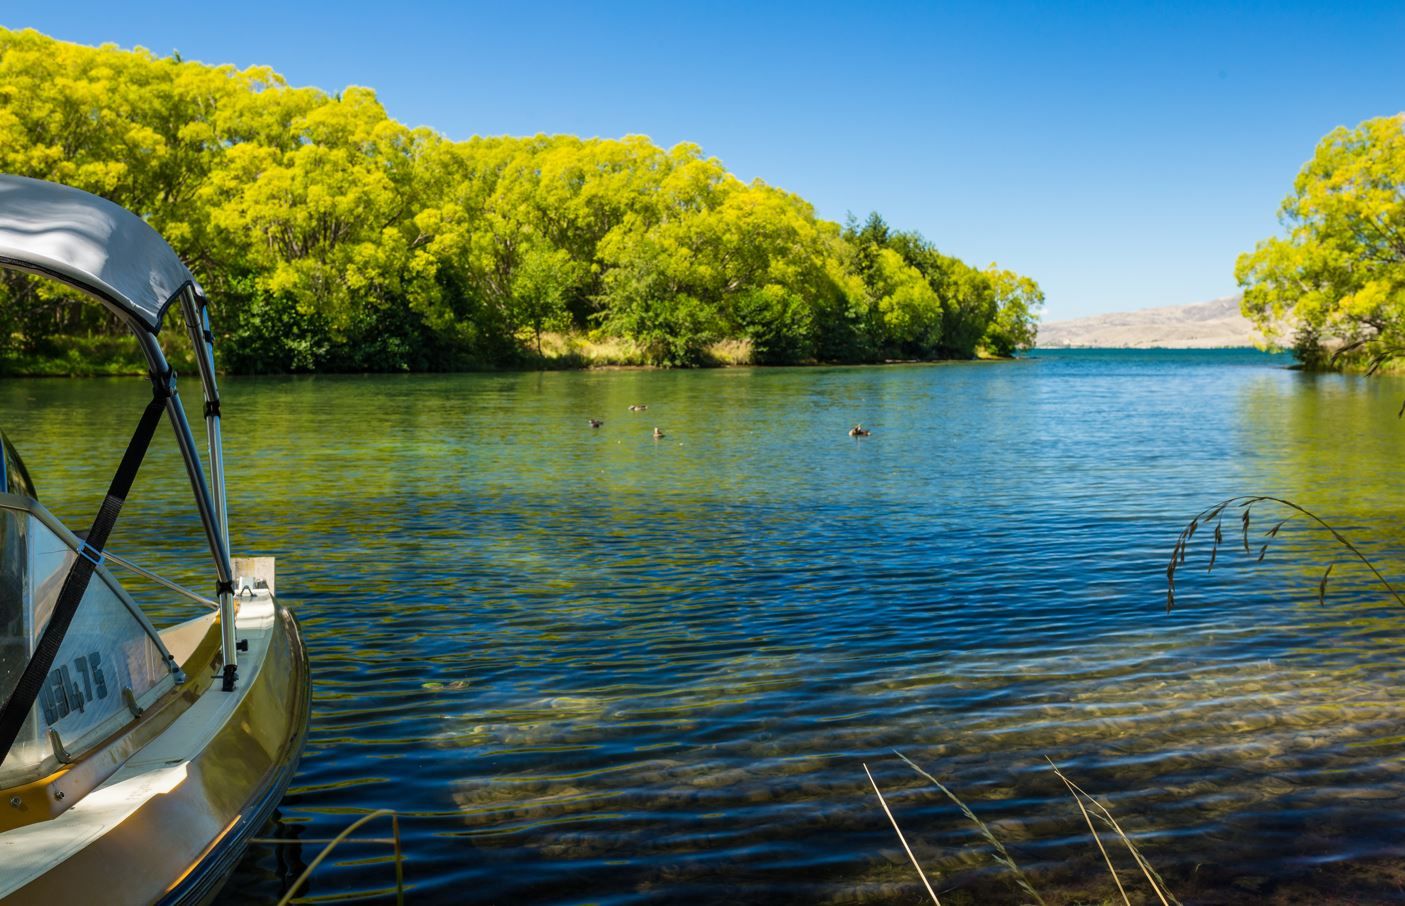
(197, 323)
(204, 502)
(160, 580)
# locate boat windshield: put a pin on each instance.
(110, 664)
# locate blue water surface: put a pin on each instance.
(587, 665)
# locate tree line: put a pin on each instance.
(332, 237)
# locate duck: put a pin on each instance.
(637, 407)
(595, 422)
(657, 433)
(859, 431)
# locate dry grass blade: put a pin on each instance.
(1112, 869)
(1002, 855)
(915, 864)
(1158, 885)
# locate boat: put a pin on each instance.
(135, 762)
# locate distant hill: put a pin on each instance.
(1204, 325)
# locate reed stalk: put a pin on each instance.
(1246, 503)
(1080, 795)
(1002, 855)
(1088, 805)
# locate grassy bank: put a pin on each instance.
(1325, 358)
(93, 356)
(99, 356)
(76, 357)
(573, 350)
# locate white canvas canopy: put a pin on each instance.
(92, 245)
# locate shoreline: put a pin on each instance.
(123, 372)
(87, 357)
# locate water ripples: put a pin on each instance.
(591, 666)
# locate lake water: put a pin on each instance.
(586, 665)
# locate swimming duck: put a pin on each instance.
(859, 431)
(595, 422)
(657, 434)
(637, 407)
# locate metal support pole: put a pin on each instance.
(197, 324)
(223, 569)
(214, 535)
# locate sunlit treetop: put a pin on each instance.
(332, 236)
(1340, 270)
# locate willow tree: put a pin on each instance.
(337, 238)
(144, 131)
(1340, 270)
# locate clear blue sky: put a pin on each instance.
(1120, 154)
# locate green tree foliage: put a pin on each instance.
(333, 237)
(540, 286)
(1017, 303)
(1340, 271)
(929, 305)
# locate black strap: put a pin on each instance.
(31, 682)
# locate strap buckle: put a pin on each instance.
(92, 554)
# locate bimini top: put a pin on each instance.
(92, 245)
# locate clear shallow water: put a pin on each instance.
(588, 666)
